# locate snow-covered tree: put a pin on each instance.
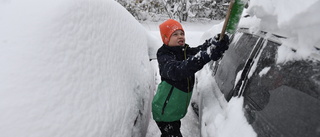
(176, 9)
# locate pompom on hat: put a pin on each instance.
(167, 28)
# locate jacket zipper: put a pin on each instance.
(188, 81)
(185, 57)
(167, 100)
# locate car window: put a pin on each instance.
(280, 99)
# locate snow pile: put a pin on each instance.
(296, 20)
(219, 117)
(233, 123)
(72, 68)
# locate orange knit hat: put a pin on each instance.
(167, 28)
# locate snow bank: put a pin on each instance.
(296, 20)
(73, 68)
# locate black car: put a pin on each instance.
(280, 99)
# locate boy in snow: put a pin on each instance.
(177, 64)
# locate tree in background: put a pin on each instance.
(181, 10)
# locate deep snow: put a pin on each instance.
(296, 20)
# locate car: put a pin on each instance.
(280, 99)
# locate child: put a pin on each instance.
(177, 64)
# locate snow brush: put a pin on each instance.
(233, 17)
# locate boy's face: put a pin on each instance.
(177, 38)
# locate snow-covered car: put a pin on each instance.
(74, 69)
(271, 71)
(280, 99)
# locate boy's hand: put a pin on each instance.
(220, 47)
(224, 43)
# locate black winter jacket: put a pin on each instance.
(179, 64)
